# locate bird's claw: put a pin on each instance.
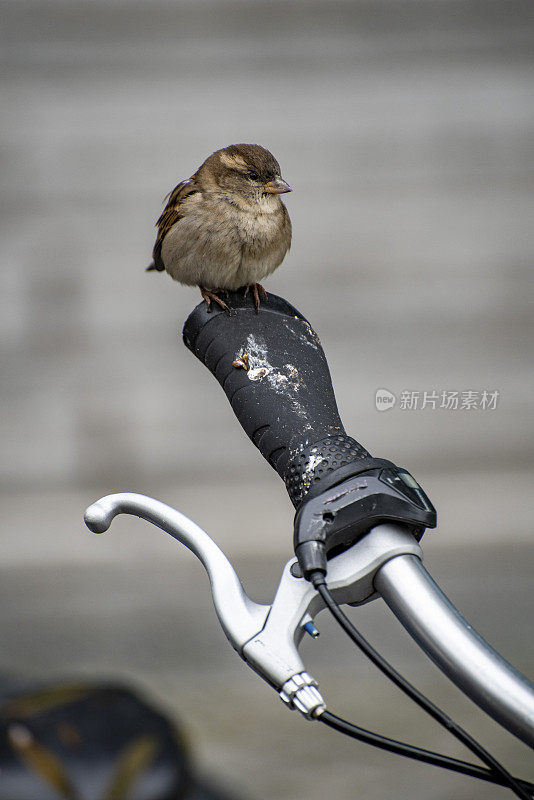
(208, 296)
(257, 289)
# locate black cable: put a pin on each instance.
(416, 753)
(318, 580)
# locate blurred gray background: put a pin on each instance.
(407, 132)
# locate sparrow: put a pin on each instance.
(226, 226)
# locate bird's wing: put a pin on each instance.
(171, 214)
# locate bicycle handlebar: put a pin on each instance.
(387, 561)
(274, 372)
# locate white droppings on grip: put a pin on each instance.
(283, 380)
(309, 470)
(309, 337)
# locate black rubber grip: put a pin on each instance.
(274, 372)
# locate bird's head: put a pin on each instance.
(247, 172)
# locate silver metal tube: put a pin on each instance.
(458, 650)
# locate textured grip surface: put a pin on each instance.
(274, 372)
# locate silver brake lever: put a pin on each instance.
(267, 637)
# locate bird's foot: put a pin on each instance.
(257, 289)
(208, 296)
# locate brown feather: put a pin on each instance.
(170, 216)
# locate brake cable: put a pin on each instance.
(417, 753)
(496, 773)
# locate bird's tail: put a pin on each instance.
(154, 266)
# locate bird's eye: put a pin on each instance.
(253, 176)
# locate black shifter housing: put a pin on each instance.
(334, 520)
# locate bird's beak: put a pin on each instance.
(276, 186)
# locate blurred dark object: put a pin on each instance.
(83, 741)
